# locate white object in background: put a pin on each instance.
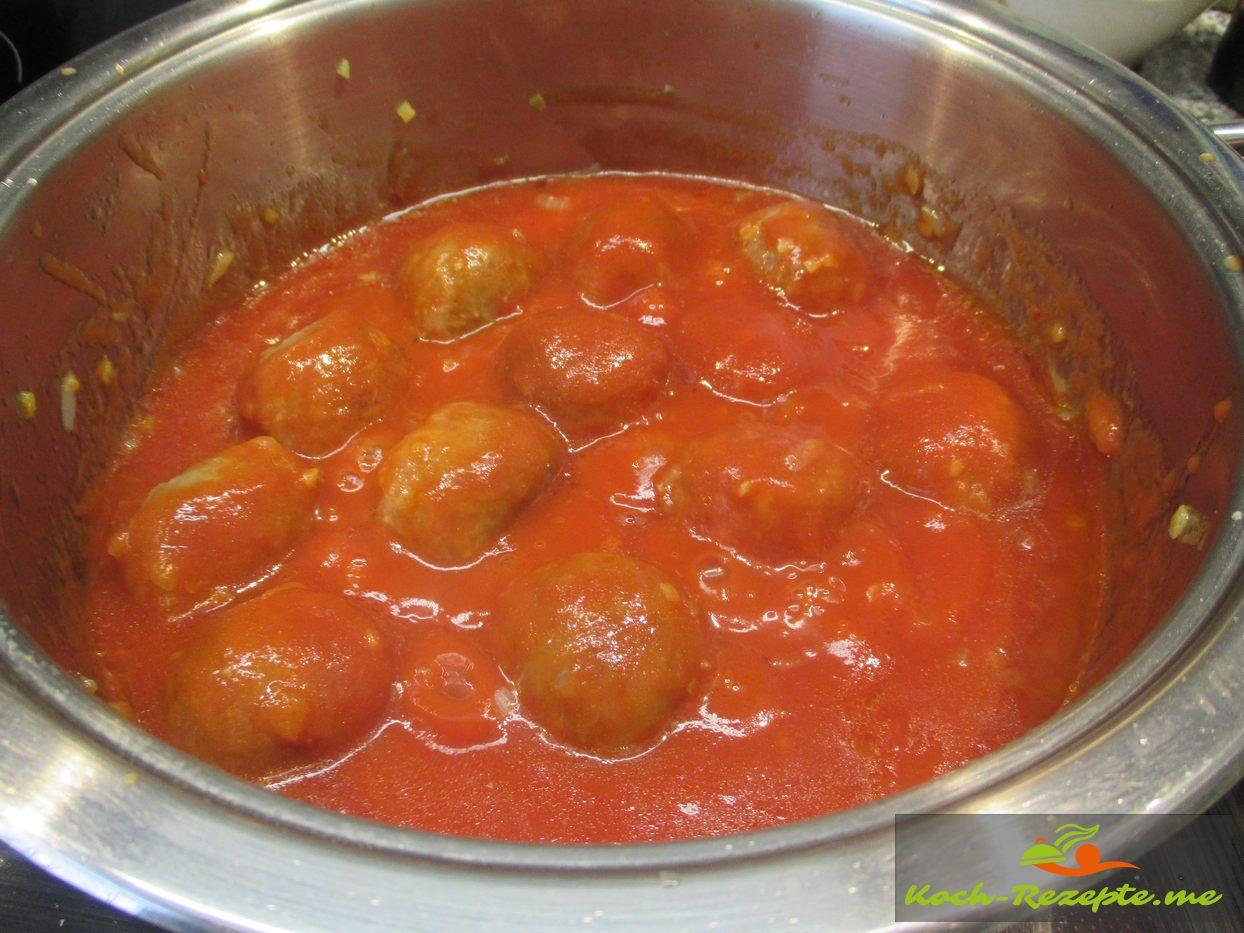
(1122, 29)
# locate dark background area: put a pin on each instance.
(37, 36)
(47, 33)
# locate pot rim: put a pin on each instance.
(1153, 139)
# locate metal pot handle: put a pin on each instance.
(1231, 133)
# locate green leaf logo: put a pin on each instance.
(1067, 837)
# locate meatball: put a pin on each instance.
(452, 485)
(624, 248)
(583, 366)
(778, 494)
(463, 277)
(808, 255)
(221, 521)
(959, 438)
(320, 386)
(748, 353)
(603, 650)
(289, 676)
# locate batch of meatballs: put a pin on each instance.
(601, 649)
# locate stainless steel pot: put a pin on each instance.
(135, 188)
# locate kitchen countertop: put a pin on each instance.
(1179, 66)
(32, 900)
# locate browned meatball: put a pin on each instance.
(746, 352)
(623, 248)
(452, 485)
(289, 676)
(960, 438)
(464, 276)
(776, 493)
(584, 367)
(221, 521)
(603, 650)
(808, 255)
(321, 385)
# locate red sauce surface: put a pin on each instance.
(919, 633)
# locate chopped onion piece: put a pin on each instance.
(69, 386)
(106, 372)
(1188, 526)
(505, 701)
(27, 404)
(220, 265)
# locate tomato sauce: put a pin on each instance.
(937, 609)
